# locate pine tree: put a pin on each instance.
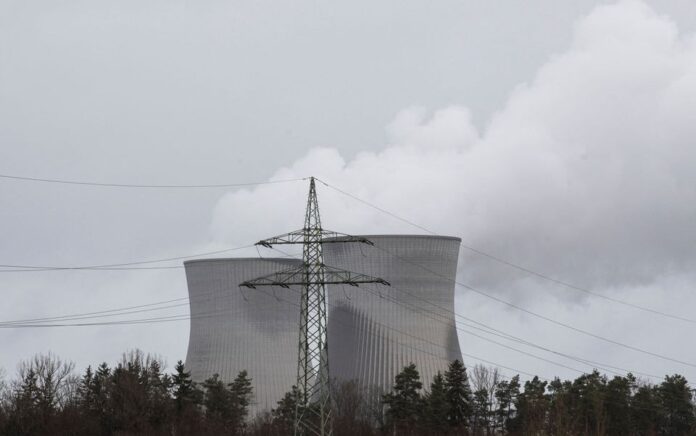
(218, 405)
(87, 403)
(159, 407)
(101, 388)
(436, 406)
(675, 395)
(458, 395)
(86, 390)
(531, 407)
(618, 404)
(25, 419)
(187, 398)
(588, 391)
(241, 393)
(562, 404)
(646, 410)
(284, 414)
(405, 403)
(506, 394)
(185, 392)
(479, 416)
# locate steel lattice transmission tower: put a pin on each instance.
(313, 412)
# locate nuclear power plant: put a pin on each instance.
(373, 330)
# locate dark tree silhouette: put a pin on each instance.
(459, 396)
(405, 404)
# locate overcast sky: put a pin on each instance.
(555, 135)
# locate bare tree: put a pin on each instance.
(3, 384)
(486, 378)
(136, 358)
(55, 379)
(353, 414)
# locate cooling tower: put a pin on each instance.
(235, 329)
(374, 330)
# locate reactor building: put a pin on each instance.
(373, 330)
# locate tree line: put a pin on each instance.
(138, 397)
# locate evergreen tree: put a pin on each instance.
(185, 392)
(241, 393)
(506, 394)
(618, 405)
(436, 406)
(675, 396)
(531, 407)
(24, 419)
(562, 403)
(588, 391)
(646, 410)
(479, 413)
(187, 398)
(458, 395)
(87, 403)
(404, 402)
(218, 405)
(101, 393)
(284, 414)
(159, 406)
(128, 399)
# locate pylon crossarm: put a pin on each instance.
(319, 235)
(297, 276)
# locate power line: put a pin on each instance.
(184, 317)
(394, 301)
(118, 266)
(387, 338)
(123, 266)
(373, 333)
(113, 266)
(149, 307)
(100, 314)
(437, 345)
(129, 185)
(517, 266)
(32, 322)
(37, 268)
(444, 319)
(145, 268)
(543, 317)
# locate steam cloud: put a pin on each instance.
(588, 173)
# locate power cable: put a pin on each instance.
(594, 365)
(129, 185)
(118, 266)
(517, 266)
(183, 317)
(445, 320)
(175, 318)
(144, 268)
(542, 317)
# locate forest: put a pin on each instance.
(137, 396)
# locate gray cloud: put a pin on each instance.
(586, 174)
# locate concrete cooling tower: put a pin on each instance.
(235, 329)
(373, 330)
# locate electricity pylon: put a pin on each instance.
(313, 410)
